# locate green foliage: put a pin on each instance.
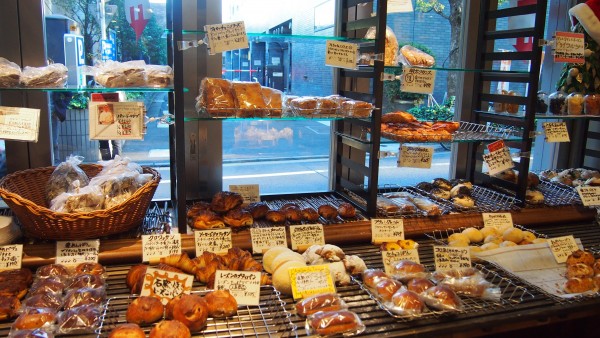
(588, 79)
(442, 112)
(84, 13)
(391, 89)
(79, 101)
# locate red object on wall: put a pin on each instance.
(138, 22)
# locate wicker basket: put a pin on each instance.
(25, 193)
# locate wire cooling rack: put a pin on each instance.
(268, 319)
(558, 194)
(396, 194)
(467, 132)
(486, 200)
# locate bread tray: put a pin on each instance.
(486, 200)
(467, 132)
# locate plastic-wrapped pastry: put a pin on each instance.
(272, 98)
(83, 319)
(304, 105)
(430, 208)
(54, 75)
(372, 276)
(10, 73)
(442, 297)
(391, 45)
(159, 76)
(62, 178)
(387, 206)
(359, 109)
(407, 303)
(249, 99)
(329, 323)
(412, 56)
(419, 285)
(405, 270)
(114, 74)
(216, 96)
(88, 199)
(386, 288)
(473, 286)
(320, 302)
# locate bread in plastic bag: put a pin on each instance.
(35, 319)
(442, 298)
(113, 74)
(51, 76)
(330, 323)
(473, 286)
(82, 319)
(406, 303)
(86, 199)
(391, 45)
(249, 99)
(64, 175)
(118, 165)
(272, 98)
(31, 333)
(439, 275)
(216, 97)
(405, 270)
(320, 302)
(159, 76)
(10, 73)
(412, 56)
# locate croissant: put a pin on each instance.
(182, 262)
(203, 274)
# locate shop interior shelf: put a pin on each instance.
(91, 89)
(265, 37)
(545, 116)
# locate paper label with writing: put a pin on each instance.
(418, 80)
(166, 285)
(500, 220)
(415, 157)
(266, 238)
(116, 120)
(447, 258)
(11, 256)
(556, 132)
(19, 124)
(244, 286)
(496, 145)
(250, 192)
(75, 252)
(161, 245)
(562, 247)
(391, 257)
(387, 230)
(311, 280)
(498, 161)
(226, 36)
(305, 235)
(590, 196)
(569, 47)
(399, 6)
(341, 54)
(217, 241)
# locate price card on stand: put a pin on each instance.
(341, 54)
(451, 258)
(250, 192)
(417, 80)
(498, 161)
(11, 256)
(226, 36)
(391, 257)
(166, 285)
(386, 230)
(562, 247)
(156, 246)
(499, 221)
(569, 47)
(75, 252)
(415, 157)
(19, 124)
(590, 196)
(116, 120)
(556, 132)
(217, 241)
(244, 286)
(265, 238)
(303, 236)
(311, 280)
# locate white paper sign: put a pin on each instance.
(387, 230)
(265, 238)
(418, 80)
(157, 246)
(556, 132)
(569, 47)
(341, 54)
(11, 256)
(217, 241)
(391, 257)
(305, 235)
(226, 36)
(498, 161)
(116, 120)
(399, 6)
(415, 157)
(447, 258)
(166, 285)
(19, 124)
(499, 221)
(590, 196)
(244, 286)
(250, 192)
(75, 252)
(562, 247)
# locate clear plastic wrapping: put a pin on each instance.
(63, 177)
(412, 56)
(249, 99)
(216, 97)
(10, 73)
(31, 333)
(86, 199)
(49, 285)
(113, 74)
(406, 303)
(84, 296)
(330, 323)
(442, 298)
(35, 319)
(51, 76)
(273, 101)
(406, 270)
(159, 76)
(321, 302)
(473, 286)
(82, 319)
(43, 301)
(391, 45)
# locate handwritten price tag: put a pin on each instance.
(266, 238)
(20, 124)
(117, 120)
(311, 280)
(303, 236)
(415, 157)
(447, 258)
(418, 80)
(250, 192)
(590, 196)
(498, 161)
(157, 246)
(75, 252)
(226, 36)
(217, 241)
(562, 247)
(11, 256)
(391, 257)
(166, 285)
(569, 47)
(341, 54)
(386, 230)
(244, 286)
(556, 132)
(497, 220)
